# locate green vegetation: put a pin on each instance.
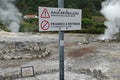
(3, 27)
(89, 7)
(92, 20)
(29, 25)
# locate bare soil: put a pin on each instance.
(79, 57)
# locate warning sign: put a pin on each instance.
(55, 19)
(45, 25)
(45, 14)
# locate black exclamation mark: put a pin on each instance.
(45, 14)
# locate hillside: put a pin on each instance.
(90, 9)
(88, 6)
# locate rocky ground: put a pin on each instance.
(85, 57)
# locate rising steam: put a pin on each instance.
(10, 15)
(111, 11)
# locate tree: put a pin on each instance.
(31, 6)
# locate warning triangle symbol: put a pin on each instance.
(45, 14)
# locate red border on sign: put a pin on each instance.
(45, 14)
(44, 24)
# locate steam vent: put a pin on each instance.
(111, 13)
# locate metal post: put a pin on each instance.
(61, 46)
(61, 3)
(61, 55)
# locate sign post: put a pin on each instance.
(61, 47)
(59, 19)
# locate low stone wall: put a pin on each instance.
(7, 56)
(23, 50)
(95, 73)
(18, 75)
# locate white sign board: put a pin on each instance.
(55, 19)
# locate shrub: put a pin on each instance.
(86, 22)
(3, 27)
(100, 25)
(29, 25)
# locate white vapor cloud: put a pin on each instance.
(10, 15)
